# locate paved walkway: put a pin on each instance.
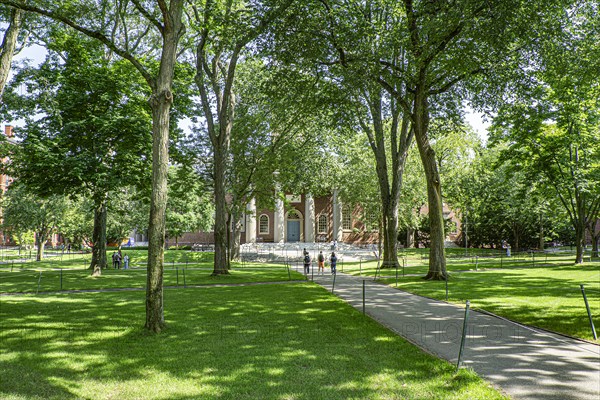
(523, 362)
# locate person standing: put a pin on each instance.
(306, 262)
(114, 259)
(125, 261)
(333, 260)
(321, 263)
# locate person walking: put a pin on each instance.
(114, 259)
(306, 262)
(333, 261)
(321, 263)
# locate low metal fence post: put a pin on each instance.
(403, 266)
(464, 334)
(38, 285)
(587, 306)
(363, 296)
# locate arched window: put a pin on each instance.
(294, 214)
(263, 224)
(346, 218)
(322, 224)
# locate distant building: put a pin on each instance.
(305, 218)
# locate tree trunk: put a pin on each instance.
(410, 237)
(515, 232)
(592, 227)
(160, 103)
(221, 260)
(437, 252)
(8, 46)
(579, 241)
(390, 238)
(235, 243)
(542, 237)
(41, 243)
(389, 191)
(98, 261)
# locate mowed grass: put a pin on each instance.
(546, 297)
(416, 261)
(181, 268)
(292, 341)
(37, 281)
(138, 258)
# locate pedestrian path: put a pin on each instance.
(523, 362)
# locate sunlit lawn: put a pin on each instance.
(26, 281)
(292, 341)
(416, 261)
(56, 259)
(547, 297)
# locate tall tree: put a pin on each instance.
(8, 48)
(134, 30)
(24, 211)
(94, 130)
(358, 103)
(226, 30)
(440, 50)
(553, 122)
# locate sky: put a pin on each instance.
(37, 53)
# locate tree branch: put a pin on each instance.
(88, 32)
(149, 17)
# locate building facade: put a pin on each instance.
(300, 218)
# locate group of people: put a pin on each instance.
(320, 263)
(117, 257)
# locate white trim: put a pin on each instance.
(260, 225)
(319, 231)
(299, 219)
(346, 210)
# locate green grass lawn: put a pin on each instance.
(56, 259)
(26, 281)
(416, 261)
(547, 297)
(292, 341)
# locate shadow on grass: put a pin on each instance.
(548, 298)
(51, 281)
(291, 341)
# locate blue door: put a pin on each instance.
(293, 231)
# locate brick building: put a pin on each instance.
(301, 218)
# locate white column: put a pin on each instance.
(337, 216)
(251, 221)
(309, 218)
(279, 219)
